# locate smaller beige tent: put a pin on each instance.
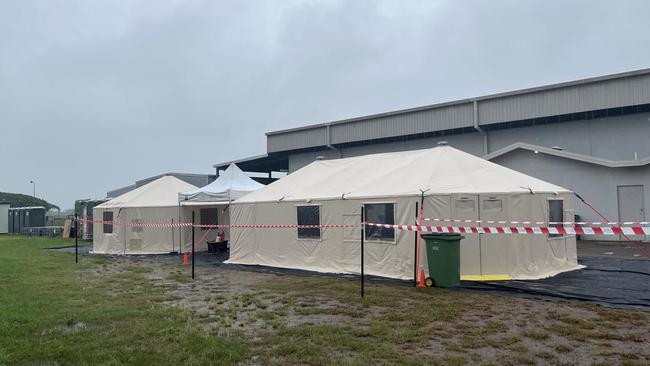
(456, 185)
(155, 202)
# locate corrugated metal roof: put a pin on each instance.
(617, 90)
(568, 155)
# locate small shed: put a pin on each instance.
(4, 217)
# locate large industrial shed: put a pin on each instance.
(590, 136)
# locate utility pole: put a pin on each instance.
(33, 192)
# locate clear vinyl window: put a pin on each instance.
(379, 213)
(107, 216)
(492, 205)
(555, 214)
(308, 215)
(464, 205)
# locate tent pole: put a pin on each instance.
(173, 247)
(192, 244)
(362, 249)
(76, 238)
(415, 248)
(180, 231)
(418, 236)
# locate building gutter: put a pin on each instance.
(477, 127)
(329, 141)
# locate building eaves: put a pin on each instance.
(243, 160)
(568, 155)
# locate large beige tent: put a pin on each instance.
(456, 185)
(155, 202)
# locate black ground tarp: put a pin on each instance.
(606, 281)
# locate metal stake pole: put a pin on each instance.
(192, 244)
(76, 238)
(363, 225)
(415, 247)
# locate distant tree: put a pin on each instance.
(22, 200)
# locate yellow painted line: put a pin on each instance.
(486, 278)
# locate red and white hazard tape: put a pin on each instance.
(530, 230)
(522, 230)
(215, 226)
(138, 224)
(252, 226)
(564, 223)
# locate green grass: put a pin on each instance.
(107, 310)
(51, 314)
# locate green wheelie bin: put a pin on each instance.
(443, 256)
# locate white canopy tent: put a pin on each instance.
(155, 202)
(214, 200)
(232, 184)
(456, 185)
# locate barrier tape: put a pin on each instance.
(530, 230)
(215, 226)
(564, 223)
(138, 224)
(521, 230)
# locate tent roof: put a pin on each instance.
(232, 183)
(438, 170)
(232, 179)
(162, 192)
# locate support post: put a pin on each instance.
(418, 236)
(192, 244)
(76, 238)
(363, 234)
(415, 247)
(173, 245)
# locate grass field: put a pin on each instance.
(130, 310)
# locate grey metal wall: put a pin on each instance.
(578, 98)
(607, 92)
(470, 142)
(297, 139)
(381, 126)
(595, 183)
(444, 118)
(614, 138)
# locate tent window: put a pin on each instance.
(308, 215)
(108, 216)
(555, 214)
(380, 213)
(209, 216)
(492, 205)
(463, 205)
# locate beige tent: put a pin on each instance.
(455, 184)
(155, 202)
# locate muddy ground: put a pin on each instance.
(287, 319)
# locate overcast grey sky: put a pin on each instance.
(97, 94)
